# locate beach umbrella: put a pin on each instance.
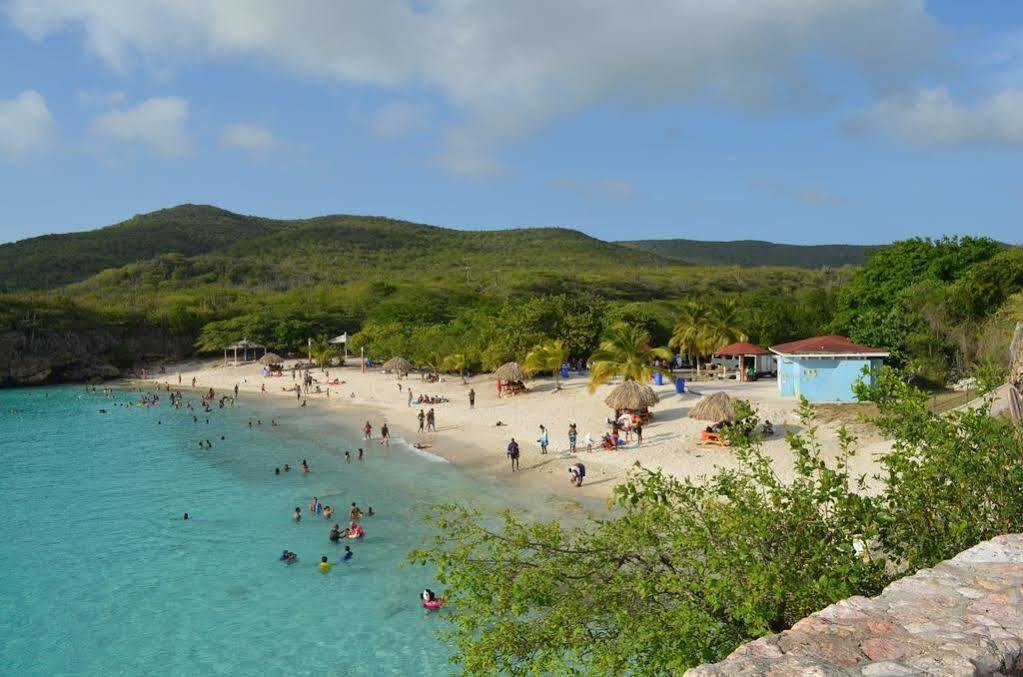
(271, 358)
(398, 364)
(716, 407)
(510, 371)
(632, 395)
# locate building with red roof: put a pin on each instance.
(825, 368)
(743, 355)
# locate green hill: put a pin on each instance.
(756, 253)
(54, 260)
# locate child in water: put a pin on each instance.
(298, 514)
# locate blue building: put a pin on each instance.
(824, 368)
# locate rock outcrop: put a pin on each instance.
(41, 357)
(963, 617)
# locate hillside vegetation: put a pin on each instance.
(756, 253)
(479, 298)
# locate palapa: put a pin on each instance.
(510, 372)
(631, 395)
(398, 364)
(716, 407)
(271, 358)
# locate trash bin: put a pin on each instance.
(564, 372)
(659, 378)
(680, 385)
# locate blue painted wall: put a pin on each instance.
(823, 380)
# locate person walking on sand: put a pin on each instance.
(410, 397)
(431, 420)
(543, 440)
(422, 420)
(367, 431)
(193, 381)
(472, 398)
(639, 433)
(573, 435)
(513, 454)
(589, 441)
(385, 436)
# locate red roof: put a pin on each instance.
(741, 348)
(825, 345)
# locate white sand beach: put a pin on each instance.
(472, 438)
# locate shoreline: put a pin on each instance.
(474, 442)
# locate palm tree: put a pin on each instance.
(547, 356)
(322, 351)
(456, 362)
(690, 335)
(625, 351)
(724, 326)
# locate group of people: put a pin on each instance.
(354, 530)
(427, 420)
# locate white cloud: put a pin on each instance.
(249, 137)
(96, 98)
(398, 118)
(608, 189)
(510, 67)
(932, 117)
(807, 195)
(158, 123)
(26, 124)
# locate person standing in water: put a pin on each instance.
(297, 516)
(367, 431)
(348, 456)
(513, 454)
(361, 453)
(385, 437)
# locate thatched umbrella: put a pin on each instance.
(398, 364)
(631, 395)
(510, 372)
(271, 358)
(716, 407)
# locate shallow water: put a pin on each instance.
(102, 576)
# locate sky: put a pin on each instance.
(802, 121)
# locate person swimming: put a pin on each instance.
(314, 507)
(335, 533)
(287, 468)
(328, 512)
(298, 514)
(354, 513)
(277, 471)
(369, 511)
(428, 595)
(288, 557)
(185, 517)
(348, 554)
(324, 564)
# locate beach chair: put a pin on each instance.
(713, 438)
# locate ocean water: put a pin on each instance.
(101, 575)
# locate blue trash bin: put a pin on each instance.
(659, 378)
(680, 385)
(564, 372)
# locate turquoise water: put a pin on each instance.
(102, 576)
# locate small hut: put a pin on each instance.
(510, 378)
(271, 358)
(749, 360)
(634, 398)
(717, 407)
(245, 346)
(398, 365)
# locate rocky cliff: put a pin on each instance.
(41, 357)
(963, 617)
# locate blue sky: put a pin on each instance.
(805, 121)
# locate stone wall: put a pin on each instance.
(963, 617)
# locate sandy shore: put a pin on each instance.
(471, 438)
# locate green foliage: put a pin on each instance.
(625, 351)
(679, 575)
(547, 358)
(756, 253)
(682, 573)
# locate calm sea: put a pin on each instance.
(101, 576)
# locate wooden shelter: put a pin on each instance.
(245, 346)
(631, 396)
(716, 407)
(271, 358)
(748, 353)
(510, 377)
(398, 365)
